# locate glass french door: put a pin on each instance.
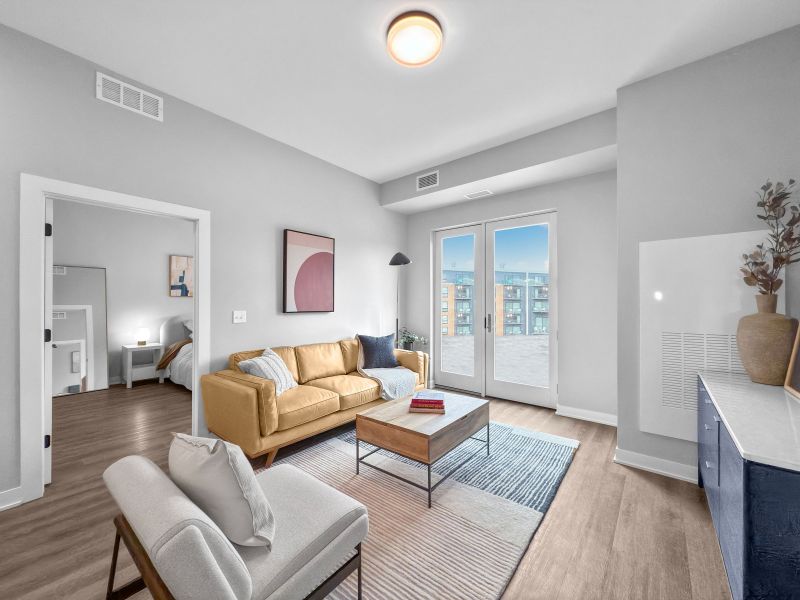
(495, 315)
(458, 309)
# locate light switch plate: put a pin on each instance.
(240, 316)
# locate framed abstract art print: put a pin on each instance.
(308, 262)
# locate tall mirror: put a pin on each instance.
(80, 345)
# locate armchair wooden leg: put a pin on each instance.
(127, 590)
(359, 572)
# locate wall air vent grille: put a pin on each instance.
(59, 270)
(428, 180)
(130, 97)
(684, 354)
(478, 194)
(59, 315)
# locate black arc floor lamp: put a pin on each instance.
(398, 260)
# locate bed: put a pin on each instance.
(177, 330)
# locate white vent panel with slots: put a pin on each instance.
(129, 97)
(427, 181)
(690, 301)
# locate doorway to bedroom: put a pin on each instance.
(114, 327)
(121, 286)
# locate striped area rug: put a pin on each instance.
(469, 544)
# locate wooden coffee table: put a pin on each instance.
(425, 438)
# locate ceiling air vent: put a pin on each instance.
(428, 180)
(478, 194)
(130, 97)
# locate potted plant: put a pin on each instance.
(765, 339)
(408, 339)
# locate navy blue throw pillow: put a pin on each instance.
(378, 351)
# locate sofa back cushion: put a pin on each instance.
(189, 551)
(315, 361)
(285, 352)
(350, 354)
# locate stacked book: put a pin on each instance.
(427, 401)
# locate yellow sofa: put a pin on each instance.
(244, 409)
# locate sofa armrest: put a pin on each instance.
(239, 407)
(414, 361)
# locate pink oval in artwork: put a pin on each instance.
(313, 286)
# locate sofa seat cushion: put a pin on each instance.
(305, 403)
(310, 516)
(353, 390)
(319, 360)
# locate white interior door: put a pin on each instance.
(458, 309)
(521, 311)
(47, 420)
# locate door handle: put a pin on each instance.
(708, 465)
(716, 418)
(707, 426)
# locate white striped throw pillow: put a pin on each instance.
(270, 366)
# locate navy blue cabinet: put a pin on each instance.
(755, 509)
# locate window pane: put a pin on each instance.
(457, 352)
(521, 333)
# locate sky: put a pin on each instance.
(516, 249)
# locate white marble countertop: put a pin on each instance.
(763, 420)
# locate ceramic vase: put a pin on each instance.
(765, 340)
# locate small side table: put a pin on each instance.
(132, 372)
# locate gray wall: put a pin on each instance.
(52, 125)
(134, 249)
(587, 317)
(694, 145)
(83, 286)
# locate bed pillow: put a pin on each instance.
(377, 352)
(270, 366)
(218, 478)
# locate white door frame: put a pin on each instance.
(33, 192)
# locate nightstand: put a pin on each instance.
(132, 372)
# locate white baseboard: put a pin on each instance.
(587, 415)
(10, 498)
(654, 464)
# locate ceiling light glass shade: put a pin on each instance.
(414, 39)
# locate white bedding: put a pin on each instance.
(180, 369)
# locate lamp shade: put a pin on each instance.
(399, 259)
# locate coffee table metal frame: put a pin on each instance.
(430, 488)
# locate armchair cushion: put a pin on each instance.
(353, 390)
(219, 479)
(315, 525)
(305, 403)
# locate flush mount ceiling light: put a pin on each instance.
(414, 39)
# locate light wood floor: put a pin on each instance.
(612, 531)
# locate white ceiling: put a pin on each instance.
(314, 73)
